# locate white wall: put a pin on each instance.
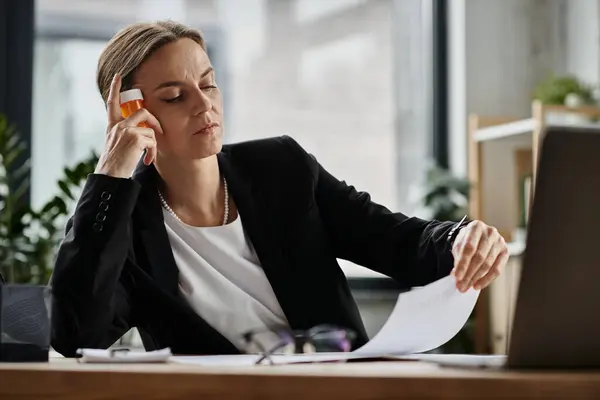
(499, 51)
(582, 31)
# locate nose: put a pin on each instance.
(202, 102)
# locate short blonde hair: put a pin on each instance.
(132, 45)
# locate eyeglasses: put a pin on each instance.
(320, 338)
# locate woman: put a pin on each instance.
(205, 242)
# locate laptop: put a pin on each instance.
(557, 318)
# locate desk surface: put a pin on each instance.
(66, 379)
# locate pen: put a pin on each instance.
(455, 228)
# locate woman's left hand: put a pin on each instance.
(480, 254)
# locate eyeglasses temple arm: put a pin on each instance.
(267, 354)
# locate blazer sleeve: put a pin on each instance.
(91, 307)
(412, 251)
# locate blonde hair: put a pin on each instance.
(131, 46)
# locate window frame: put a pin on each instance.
(56, 27)
(51, 26)
(17, 21)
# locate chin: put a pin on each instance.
(209, 147)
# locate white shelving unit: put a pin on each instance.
(520, 127)
(502, 151)
(508, 129)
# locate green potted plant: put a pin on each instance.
(569, 91)
(29, 237)
(563, 89)
(443, 197)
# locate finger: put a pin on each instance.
(485, 267)
(150, 150)
(150, 155)
(497, 248)
(113, 103)
(144, 116)
(479, 258)
(494, 271)
(149, 146)
(138, 131)
(140, 137)
(467, 250)
(457, 249)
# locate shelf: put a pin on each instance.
(522, 127)
(583, 125)
(505, 130)
(502, 148)
(515, 248)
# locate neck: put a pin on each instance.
(194, 190)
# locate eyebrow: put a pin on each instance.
(180, 83)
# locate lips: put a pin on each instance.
(207, 129)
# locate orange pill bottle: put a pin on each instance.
(131, 101)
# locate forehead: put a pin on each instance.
(179, 60)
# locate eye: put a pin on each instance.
(173, 99)
(209, 87)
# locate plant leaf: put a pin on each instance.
(22, 171)
(12, 155)
(20, 191)
(64, 186)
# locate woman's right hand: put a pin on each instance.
(125, 140)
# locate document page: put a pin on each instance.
(423, 319)
(109, 356)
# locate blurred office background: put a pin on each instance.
(378, 90)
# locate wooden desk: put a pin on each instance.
(65, 379)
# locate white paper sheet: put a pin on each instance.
(241, 360)
(108, 356)
(460, 360)
(423, 319)
(227, 360)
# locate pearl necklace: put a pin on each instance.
(170, 210)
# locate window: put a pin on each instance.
(69, 118)
(68, 113)
(347, 78)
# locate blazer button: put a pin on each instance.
(105, 195)
(100, 217)
(97, 227)
(103, 205)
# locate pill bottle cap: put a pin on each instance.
(129, 95)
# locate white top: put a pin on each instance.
(221, 278)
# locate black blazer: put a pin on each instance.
(115, 269)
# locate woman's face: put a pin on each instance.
(178, 84)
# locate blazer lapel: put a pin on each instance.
(253, 211)
(149, 217)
